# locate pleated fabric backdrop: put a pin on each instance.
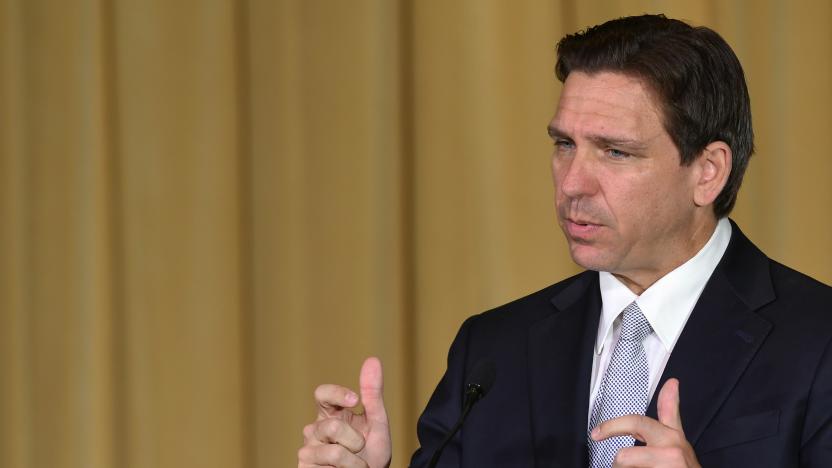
(209, 207)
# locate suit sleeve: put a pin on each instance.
(444, 408)
(816, 446)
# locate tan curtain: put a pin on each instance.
(209, 207)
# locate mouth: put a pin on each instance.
(582, 222)
(581, 229)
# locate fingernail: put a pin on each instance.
(352, 398)
(595, 433)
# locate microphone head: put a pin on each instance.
(480, 379)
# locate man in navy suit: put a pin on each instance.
(652, 136)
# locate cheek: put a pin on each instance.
(557, 170)
(674, 191)
(628, 197)
(657, 207)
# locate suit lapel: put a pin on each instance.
(721, 336)
(560, 363)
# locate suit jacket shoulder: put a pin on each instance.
(540, 345)
(521, 313)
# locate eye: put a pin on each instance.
(617, 154)
(563, 144)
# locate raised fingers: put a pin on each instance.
(668, 405)
(332, 398)
(371, 382)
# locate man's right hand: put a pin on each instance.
(342, 438)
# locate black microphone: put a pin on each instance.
(479, 382)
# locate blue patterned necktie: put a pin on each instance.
(624, 388)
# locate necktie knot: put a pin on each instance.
(634, 325)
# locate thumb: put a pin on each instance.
(668, 405)
(371, 384)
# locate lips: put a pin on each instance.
(582, 222)
(580, 229)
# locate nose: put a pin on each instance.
(575, 175)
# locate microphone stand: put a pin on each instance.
(472, 394)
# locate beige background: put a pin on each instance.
(208, 207)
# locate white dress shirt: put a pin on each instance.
(666, 304)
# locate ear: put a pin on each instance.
(714, 167)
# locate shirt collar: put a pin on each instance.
(667, 303)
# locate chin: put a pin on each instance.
(590, 258)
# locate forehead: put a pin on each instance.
(607, 102)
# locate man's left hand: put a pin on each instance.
(666, 445)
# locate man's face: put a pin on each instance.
(624, 201)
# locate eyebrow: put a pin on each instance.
(603, 140)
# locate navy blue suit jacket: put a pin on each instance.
(754, 364)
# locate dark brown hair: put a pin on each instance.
(692, 70)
